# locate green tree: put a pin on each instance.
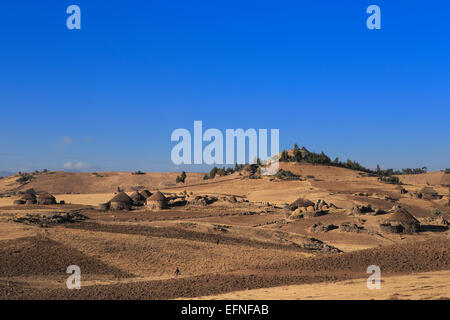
(284, 156)
(213, 172)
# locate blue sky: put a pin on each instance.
(108, 96)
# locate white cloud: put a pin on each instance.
(66, 140)
(74, 166)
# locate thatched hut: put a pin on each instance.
(145, 193)
(45, 199)
(138, 199)
(121, 201)
(157, 201)
(301, 203)
(29, 198)
(403, 221)
(429, 193)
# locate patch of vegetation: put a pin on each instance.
(414, 171)
(286, 175)
(390, 180)
(306, 156)
(24, 177)
(224, 171)
(138, 172)
(213, 172)
(435, 212)
(31, 191)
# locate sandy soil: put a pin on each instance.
(223, 247)
(414, 287)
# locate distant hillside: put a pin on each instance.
(102, 182)
(432, 178)
(5, 173)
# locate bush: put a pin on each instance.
(435, 212)
(138, 172)
(389, 179)
(286, 175)
(24, 177)
(213, 172)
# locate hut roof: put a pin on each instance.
(45, 195)
(145, 193)
(136, 196)
(427, 190)
(402, 215)
(157, 196)
(28, 196)
(121, 197)
(301, 202)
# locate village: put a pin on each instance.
(172, 229)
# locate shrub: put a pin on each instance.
(389, 179)
(435, 212)
(24, 177)
(286, 175)
(213, 172)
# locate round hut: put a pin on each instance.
(138, 199)
(157, 201)
(45, 198)
(121, 201)
(429, 193)
(145, 193)
(403, 221)
(301, 203)
(29, 198)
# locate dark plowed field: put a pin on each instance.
(398, 259)
(178, 233)
(35, 256)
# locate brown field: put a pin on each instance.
(249, 249)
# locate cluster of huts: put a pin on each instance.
(29, 198)
(122, 201)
